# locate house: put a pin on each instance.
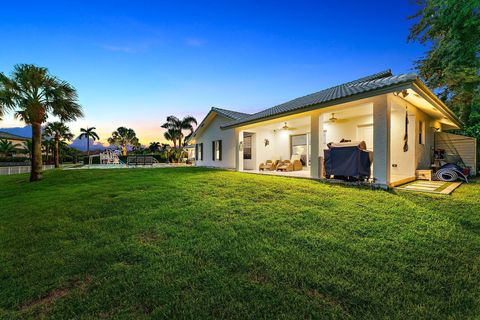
(374, 109)
(15, 140)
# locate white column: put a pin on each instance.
(238, 149)
(315, 144)
(381, 141)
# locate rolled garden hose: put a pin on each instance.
(449, 175)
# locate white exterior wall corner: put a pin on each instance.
(381, 141)
(211, 133)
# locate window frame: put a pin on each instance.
(199, 151)
(217, 150)
(421, 132)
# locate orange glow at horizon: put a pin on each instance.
(146, 133)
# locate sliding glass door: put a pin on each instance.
(300, 145)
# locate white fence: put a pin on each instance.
(454, 144)
(20, 169)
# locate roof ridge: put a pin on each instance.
(236, 115)
(399, 76)
(217, 108)
(375, 76)
(378, 75)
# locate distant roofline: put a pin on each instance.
(12, 136)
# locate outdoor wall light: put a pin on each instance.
(403, 93)
(266, 142)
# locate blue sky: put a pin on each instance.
(135, 62)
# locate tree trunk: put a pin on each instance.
(124, 150)
(88, 147)
(36, 169)
(57, 156)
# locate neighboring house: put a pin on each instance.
(371, 109)
(15, 139)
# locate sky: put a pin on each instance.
(134, 63)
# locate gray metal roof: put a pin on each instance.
(233, 115)
(230, 114)
(370, 83)
(11, 136)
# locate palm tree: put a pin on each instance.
(36, 94)
(8, 147)
(88, 133)
(175, 128)
(171, 135)
(48, 145)
(124, 137)
(154, 147)
(59, 132)
(27, 147)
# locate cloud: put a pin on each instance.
(125, 49)
(133, 47)
(195, 42)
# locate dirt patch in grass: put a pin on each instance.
(314, 293)
(149, 237)
(257, 278)
(56, 294)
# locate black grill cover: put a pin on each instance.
(347, 162)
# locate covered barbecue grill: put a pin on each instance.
(348, 161)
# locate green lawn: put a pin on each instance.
(198, 243)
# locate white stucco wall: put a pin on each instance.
(403, 163)
(211, 133)
(264, 153)
(424, 151)
(418, 155)
(278, 147)
(346, 129)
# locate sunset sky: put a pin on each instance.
(136, 62)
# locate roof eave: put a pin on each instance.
(438, 103)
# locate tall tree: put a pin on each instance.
(123, 138)
(48, 146)
(154, 146)
(8, 147)
(88, 133)
(175, 128)
(27, 148)
(171, 135)
(36, 94)
(60, 133)
(451, 30)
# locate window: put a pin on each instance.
(199, 151)
(247, 148)
(421, 132)
(217, 150)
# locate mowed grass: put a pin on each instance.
(202, 243)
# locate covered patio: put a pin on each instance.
(387, 126)
(303, 136)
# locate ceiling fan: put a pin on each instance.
(334, 119)
(286, 127)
